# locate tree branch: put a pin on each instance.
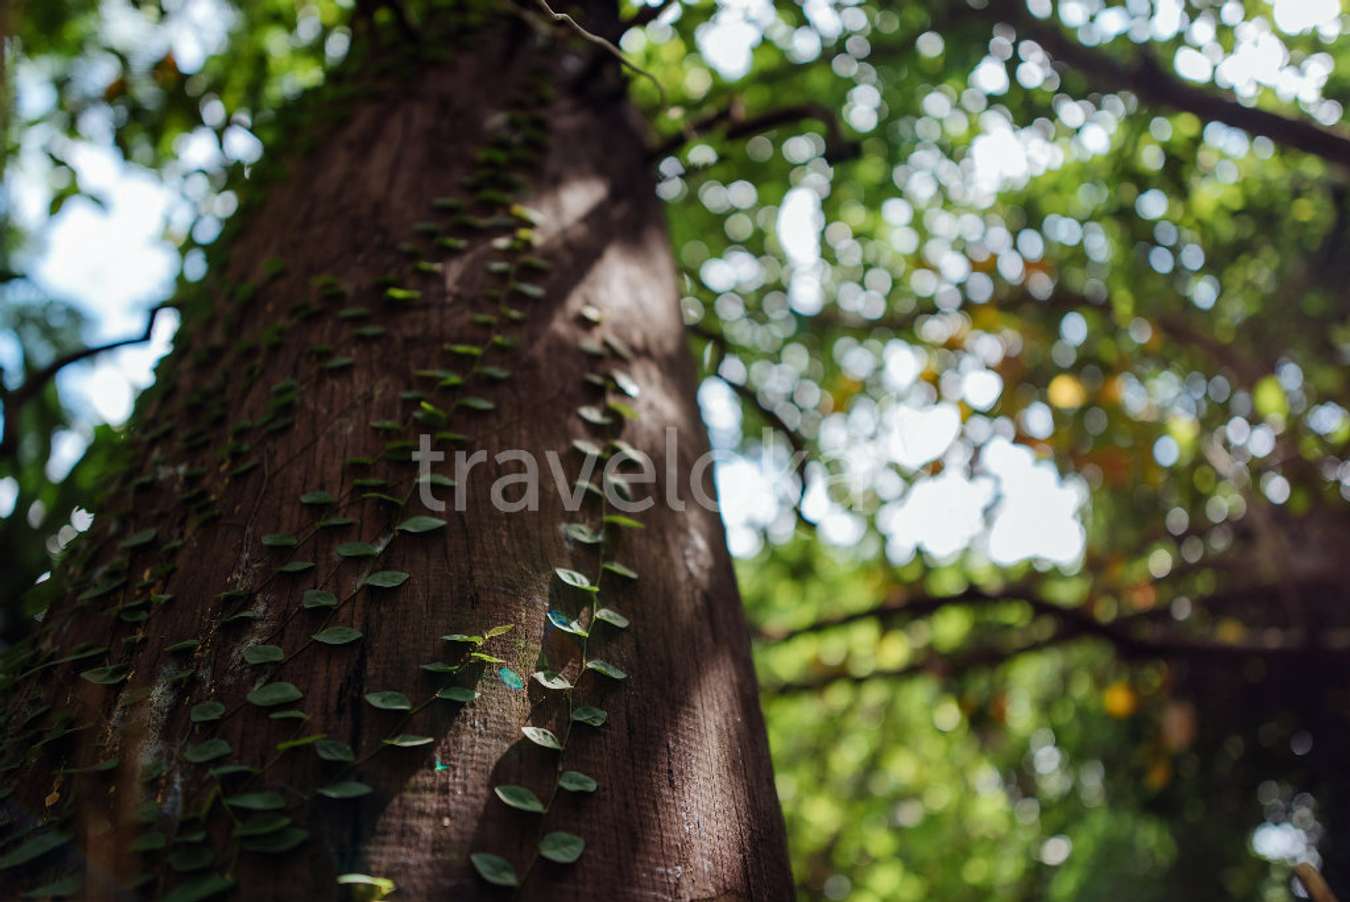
(838, 148)
(1152, 83)
(14, 400)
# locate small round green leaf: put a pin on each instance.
(494, 869)
(575, 579)
(408, 740)
(206, 712)
(421, 524)
(387, 579)
(318, 598)
(576, 781)
(604, 668)
(612, 617)
(592, 716)
(389, 700)
(562, 847)
(206, 751)
(263, 654)
(270, 695)
(257, 801)
(337, 635)
(333, 750)
(520, 798)
(541, 736)
(356, 549)
(348, 789)
(280, 540)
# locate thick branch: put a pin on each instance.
(1146, 78)
(838, 148)
(15, 400)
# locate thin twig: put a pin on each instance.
(838, 148)
(15, 400)
(603, 43)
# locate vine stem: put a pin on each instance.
(571, 692)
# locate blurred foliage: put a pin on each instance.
(1132, 305)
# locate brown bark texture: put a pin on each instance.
(685, 806)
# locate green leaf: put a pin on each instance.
(510, 678)
(562, 847)
(267, 800)
(612, 617)
(520, 798)
(107, 676)
(421, 524)
(296, 567)
(230, 770)
(551, 680)
(317, 498)
(594, 415)
(499, 630)
(206, 751)
(587, 447)
(575, 579)
(589, 715)
(280, 540)
(408, 740)
(348, 789)
(270, 695)
(288, 714)
(333, 750)
(299, 742)
(184, 645)
(199, 888)
(356, 549)
(337, 635)
(604, 668)
(620, 569)
(621, 520)
(461, 694)
(576, 781)
(580, 532)
(387, 579)
(263, 654)
(389, 700)
(318, 598)
(262, 824)
(494, 869)
(275, 843)
(541, 736)
(205, 712)
(464, 638)
(566, 624)
(475, 403)
(486, 658)
(625, 383)
(627, 411)
(33, 847)
(382, 886)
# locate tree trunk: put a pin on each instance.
(282, 388)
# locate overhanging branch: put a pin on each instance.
(1152, 83)
(838, 148)
(15, 400)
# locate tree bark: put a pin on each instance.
(686, 807)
